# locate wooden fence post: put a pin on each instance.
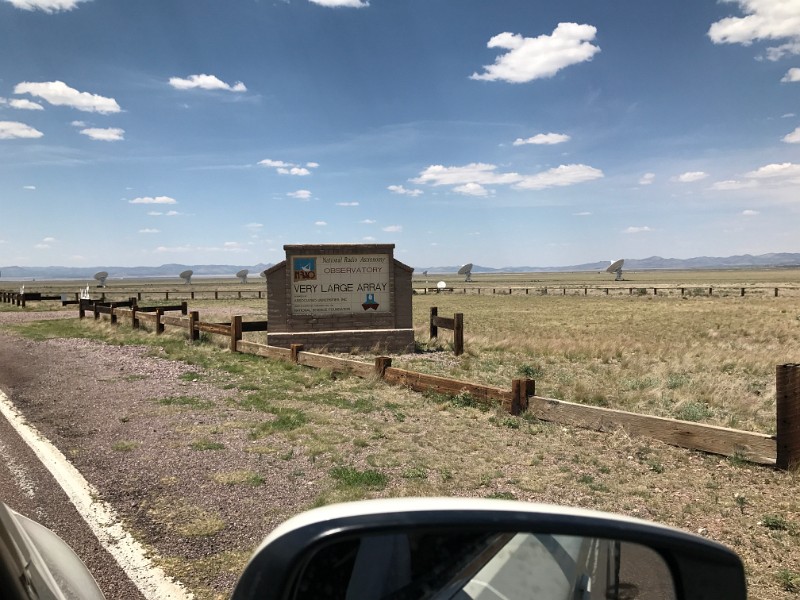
(113, 315)
(185, 307)
(296, 350)
(194, 317)
(458, 334)
(787, 399)
(216, 294)
(138, 295)
(191, 295)
(710, 292)
(236, 331)
(434, 330)
(381, 364)
(159, 324)
(166, 295)
(95, 307)
(134, 318)
(521, 390)
(742, 293)
(776, 292)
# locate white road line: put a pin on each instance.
(151, 580)
(19, 472)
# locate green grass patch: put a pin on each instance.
(350, 477)
(206, 445)
(286, 419)
(186, 401)
(124, 446)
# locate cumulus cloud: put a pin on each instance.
(153, 200)
(149, 231)
(540, 57)
(639, 229)
(300, 194)
(792, 75)
(59, 93)
(690, 176)
(560, 176)
(110, 134)
(10, 130)
(393, 228)
(368, 221)
(584, 213)
(286, 168)
(647, 179)
(471, 189)
(763, 20)
(543, 138)
(399, 189)
(482, 174)
(775, 170)
(733, 184)
(750, 213)
(254, 226)
(347, 204)
(28, 187)
(205, 82)
(48, 6)
(341, 3)
(320, 223)
(24, 104)
(169, 213)
(793, 137)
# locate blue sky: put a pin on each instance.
(499, 132)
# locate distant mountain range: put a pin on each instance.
(780, 259)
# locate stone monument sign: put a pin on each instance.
(340, 297)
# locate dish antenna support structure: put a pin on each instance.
(467, 271)
(242, 275)
(101, 277)
(187, 276)
(616, 268)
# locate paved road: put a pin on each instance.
(29, 488)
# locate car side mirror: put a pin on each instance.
(484, 549)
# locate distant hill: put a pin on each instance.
(781, 259)
(87, 273)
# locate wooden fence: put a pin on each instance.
(616, 290)
(456, 324)
(781, 450)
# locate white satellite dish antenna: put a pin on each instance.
(187, 276)
(616, 267)
(441, 285)
(242, 275)
(101, 277)
(466, 270)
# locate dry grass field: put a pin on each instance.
(708, 359)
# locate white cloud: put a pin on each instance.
(792, 75)
(543, 138)
(149, 231)
(584, 213)
(48, 240)
(268, 162)
(59, 93)
(78, 123)
(544, 56)
(471, 189)
(750, 213)
(312, 165)
(10, 130)
(347, 204)
(110, 134)
(641, 229)
(368, 221)
(393, 228)
(48, 6)
(690, 176)
(300, 194)
(559, 176)
(25, 104)
(775, 170)
(28, 187)
(285, 168)
(232, 246)
(320, 223)
(179, 249)
(793, 137)
(341, 3)
(205, 82)
(399, 189)
(486, 174)
(299, 171)
(151, 200)
(733, 184)
(254, 226)
(41, 246)
(368, 238)
(647, 179)
(788, 116)
(763, 20)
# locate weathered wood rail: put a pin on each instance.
(781, 450)
(456, 324)
(638, 290)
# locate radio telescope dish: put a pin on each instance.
(187, 276)
(616, 268)
(441, 285)
(242, 275)
(101, 277)
(263, 274)
(424, 273)
(466, 270)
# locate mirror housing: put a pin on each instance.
(700, 569)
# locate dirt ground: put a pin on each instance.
(100, 405)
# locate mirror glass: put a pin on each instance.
(483, 566)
